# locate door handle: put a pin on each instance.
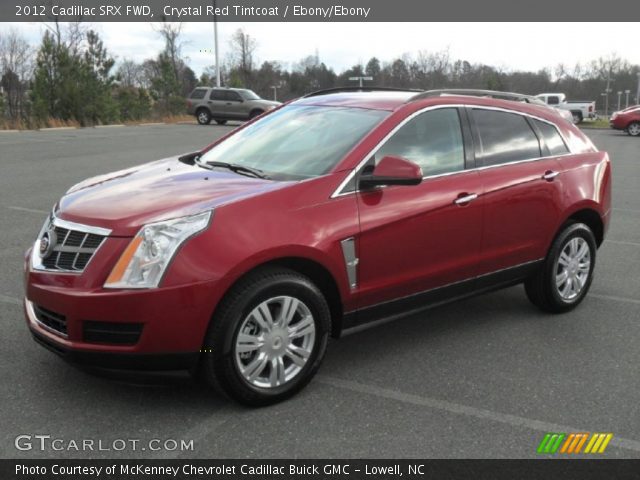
(549, 175)
(465, 198)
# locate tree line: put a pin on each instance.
(71, 77)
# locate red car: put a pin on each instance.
(627, 120)
(338, 209)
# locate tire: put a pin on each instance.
(220, 121)
(544, 288)
(255, 113)
(634, 129)
(258, 368)
(203, 116)
(577, 117)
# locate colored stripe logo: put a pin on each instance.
(574, 443)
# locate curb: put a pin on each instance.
(9, 131)
(110, 126)
(53, 129)
(150, 124)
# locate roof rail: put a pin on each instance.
(519, 97)
(328, 91)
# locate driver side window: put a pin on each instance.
(433, 140)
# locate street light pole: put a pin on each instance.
(638, 92)
(626, 103)
(619, 97)
(275, 90)
(215, 39)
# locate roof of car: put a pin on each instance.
(377, 99)
(392, 100)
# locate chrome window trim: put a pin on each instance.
(36, 261)
(339, 193)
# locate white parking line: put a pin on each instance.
(628, 210)
(619, 242)
(614, 298)
(443, 405)
(10, 300)
(30, 210)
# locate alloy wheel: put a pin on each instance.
(573, 268)
(274, 342)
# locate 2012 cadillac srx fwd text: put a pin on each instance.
(341, 208)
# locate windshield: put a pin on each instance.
(296, 142)
(248, 95)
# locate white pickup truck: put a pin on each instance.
(579, 109)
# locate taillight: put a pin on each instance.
(590, 108)
(188, 103)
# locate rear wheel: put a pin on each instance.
(634, 129)
(268, 337)
(567, 272)
(203, 116)
(577, 117)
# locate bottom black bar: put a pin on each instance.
(319, 469)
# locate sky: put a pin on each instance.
(511, 46)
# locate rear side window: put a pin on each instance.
(504, 137)
(553, 100)
(217, 95)
(551, 138)
(433, 140)
(231, 96)
(198, 93)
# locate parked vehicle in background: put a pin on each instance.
(222, 104)
(344, 207)
(580, 109)
(627, 120)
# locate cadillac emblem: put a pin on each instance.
(47, 243)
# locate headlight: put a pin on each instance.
(147, 257)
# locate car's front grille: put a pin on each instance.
(111, 332)
(72, 248)
(52, 320)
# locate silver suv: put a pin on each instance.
(222, 104)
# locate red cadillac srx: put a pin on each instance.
(341, 208)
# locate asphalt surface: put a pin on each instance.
(482, 378)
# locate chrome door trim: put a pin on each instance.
(338, 191)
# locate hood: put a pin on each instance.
(125, 200)
(267, 103)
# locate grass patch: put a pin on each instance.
(599, 123)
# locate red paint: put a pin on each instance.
(408, 238)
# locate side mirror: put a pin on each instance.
(391, 170)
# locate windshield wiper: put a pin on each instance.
(235, 168)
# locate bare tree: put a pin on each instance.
(243, 47)
(171, 34)
(130, 74)
(16, 68)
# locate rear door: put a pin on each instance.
(521, 180)
(216, 103)
(417, 238)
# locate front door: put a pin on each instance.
(418, 238)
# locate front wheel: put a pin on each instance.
(634, 129)
(564, 278)
(268, 337)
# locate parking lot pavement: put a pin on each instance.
(485, 377)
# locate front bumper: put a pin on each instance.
(173, 322)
